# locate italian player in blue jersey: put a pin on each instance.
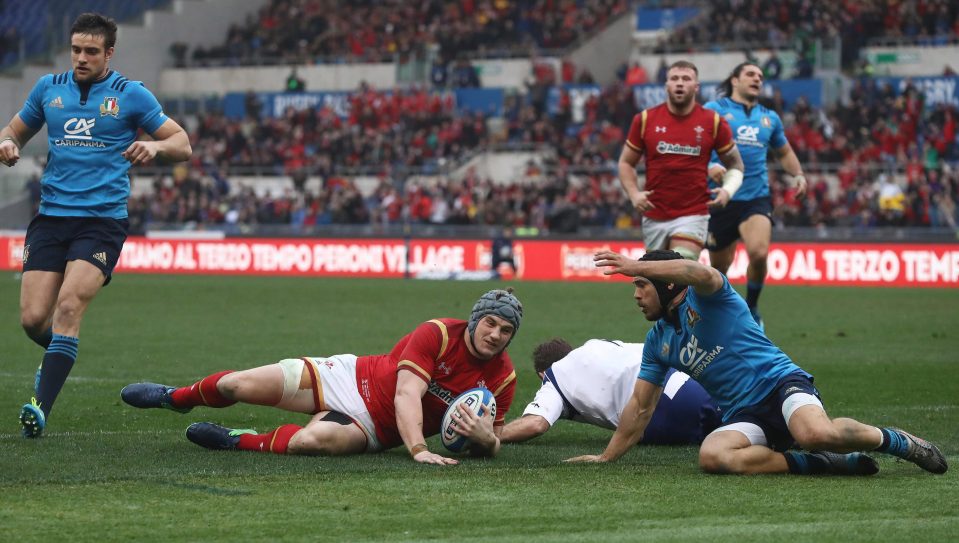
(769, 404)
(748, 216)
(93, 115)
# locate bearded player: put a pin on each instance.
(367, 403)
(677, 138)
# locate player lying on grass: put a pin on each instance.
(367, 403)
(769, 404)
(594, 382)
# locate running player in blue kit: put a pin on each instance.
(748, 215)
(769, 404)
(92, 115)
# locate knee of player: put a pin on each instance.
(758, 254)
(33, 322)
(231, 385)
(711, 461)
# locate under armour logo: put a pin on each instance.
(660, 129)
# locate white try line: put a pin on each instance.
(98, 433)
(72, 378)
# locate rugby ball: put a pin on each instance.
(477, 400)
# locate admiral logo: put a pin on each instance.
(660, 129)
(446, 396)
(110, 106)
(666, 148)
(444, 368)
(101, 257)
(481, 383)
(697, 359)
(748, 135)
(56, 102)
(329, 363)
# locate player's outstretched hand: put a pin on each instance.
(586, 459)
(642, 203)
(615, 263)
(9, 153)
(141, 152)
(427, 457)
(720, 199)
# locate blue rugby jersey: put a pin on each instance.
(755, 132)
(720, 346)
(86, 176)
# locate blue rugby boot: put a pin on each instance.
(32, 419)
(848, 464)
(151, 395)
(216, 437)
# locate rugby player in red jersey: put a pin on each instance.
(677, 138)
(367, 403)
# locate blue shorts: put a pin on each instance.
(685, 419)
(724, 223)
(768, 415)
(51, 242)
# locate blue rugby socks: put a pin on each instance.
(802, 463)
(56, 366)
(893, 443)
(43, 339)
(753, 289)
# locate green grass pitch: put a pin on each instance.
(107, 472)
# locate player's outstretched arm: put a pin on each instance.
(12, 138)
(790, 163)
(704, 279)
(524, 428)
(170, 143)
(632, 423)
(409, 418)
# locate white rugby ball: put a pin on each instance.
(478, 400)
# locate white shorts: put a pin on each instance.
(656, 234)
(339, 393)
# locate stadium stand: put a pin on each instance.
(308, 31)
(31, 30)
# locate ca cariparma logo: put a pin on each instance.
(110, 106)
(78, 132)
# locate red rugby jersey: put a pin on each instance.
(435, 352)
(677, 151)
